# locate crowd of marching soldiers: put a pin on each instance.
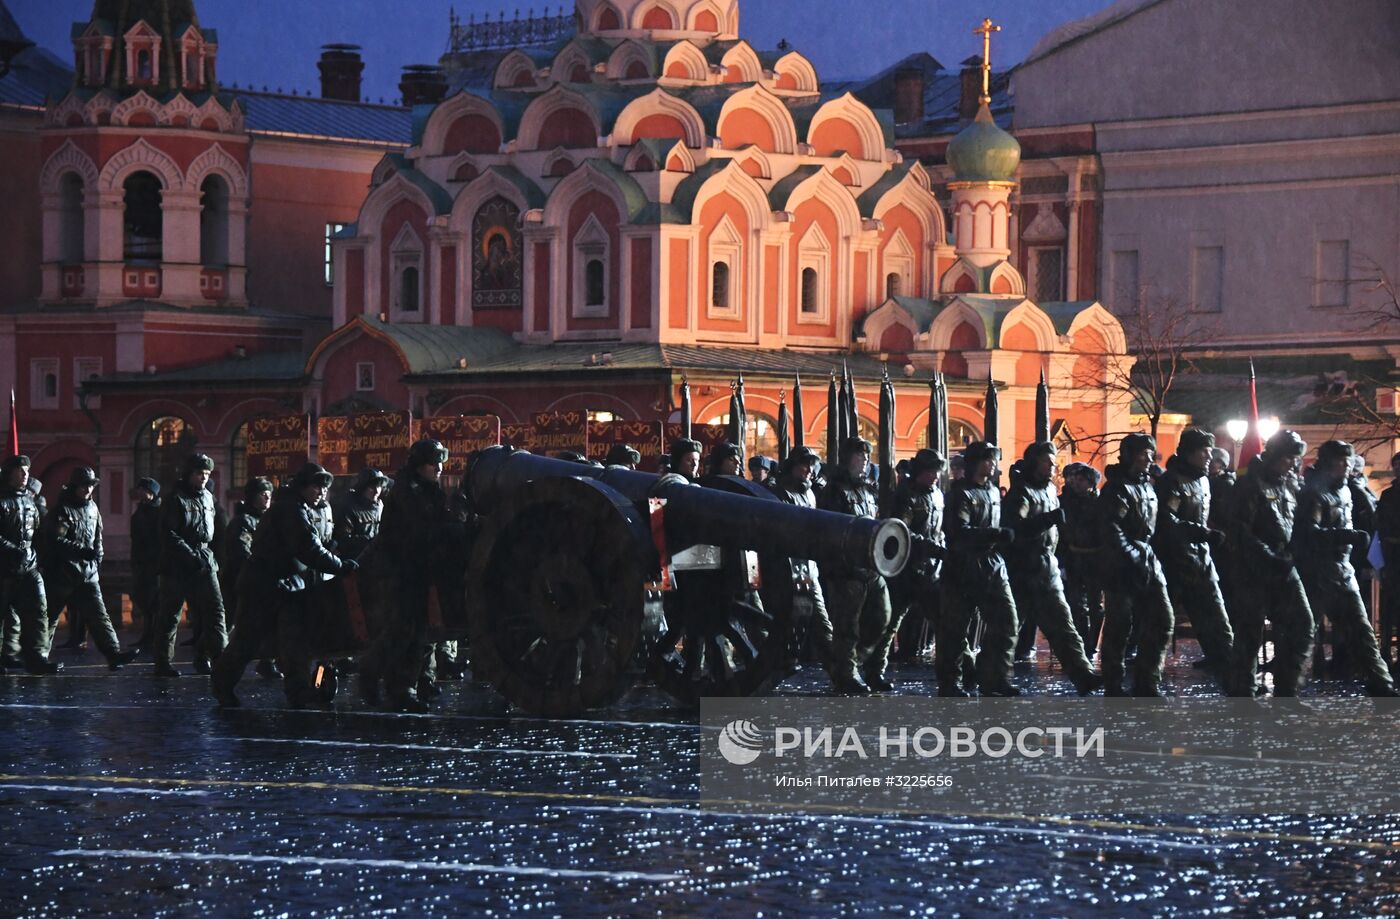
(1103, 572)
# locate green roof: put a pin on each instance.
(1062, 313)
(267, 367)
(425, 348)
(870, 198)
(983, 152)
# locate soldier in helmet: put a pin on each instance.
(726, 459)
(1326, 539)
(685, 458)
(975, 580)
(416, 536)
(289, 557)
(21, 585)
(623, 455)
(73, 565)
(237, 546)
(357, 515)
(1388, 534)
(918, 501)
(857, 597)
(188, 571)
(1079, 552)
(1136, 588)
(1262, 508)
(1187, 543)
(1032, 510)
(794, 485)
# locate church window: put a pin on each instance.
(329, 258)
(726, 248)
(238, 455)
(816, 267)
(143, 65)
(592, 248)
(593, 284)
(143, 221)
(892, 285)
(406, 265)
(1047, 273)
(408, 289)
(811, 295)
(85, 369)
(213, 222)
(720, 286)
(71, 221)
(43, 384)
(161, 448)
(364, 376)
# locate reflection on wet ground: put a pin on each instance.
(128, 795)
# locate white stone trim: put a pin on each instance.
(591, 243)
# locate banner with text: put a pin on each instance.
(555, 432)
(345, 445)
(278, 447)
(463, 435)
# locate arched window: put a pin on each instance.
(408, 290)
(891, 285)
(213, 222)
(143, 65)
(191, 68)
(71, 223)
(811, 294)
(143, 222)
(720, 286)
(594, 277)
(238, 457)
(50, 386)
(161, 448)
(760, 436)
(960, 434)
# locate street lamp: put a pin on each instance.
(1237, 428)
(1268, 427)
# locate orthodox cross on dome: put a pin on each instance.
(986, 32)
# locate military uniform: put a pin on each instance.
(73, 564)
(1136, 588)
(1079, 558)
(289, 557)
(1032, 511)
(416, 536)
(857, 598)
(1263, 507)
(189, 573)
(357, 517)
(805, 573)
(21, 585)
(916, 587)
(1186, 541)
(975, 581)
(1325, 539)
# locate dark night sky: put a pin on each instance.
(277, 43)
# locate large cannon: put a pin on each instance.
(571, 573)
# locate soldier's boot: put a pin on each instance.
(429, 690)
(1001, 690)
(268, 669)
(848, 683)
(951, 690)
(203, 666)
(1086, 682)
(1113, 683)
(38, 666)
(1148, 688)
(165, 669)
(1382, 690)
(407, 701)
(878, 680)
(120, 659)
(224, 695)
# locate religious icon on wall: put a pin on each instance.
(497, 263)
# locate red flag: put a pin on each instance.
(12, 448)
(1252, 445)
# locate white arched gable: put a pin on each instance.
(633, 162)
(919, 174)
(883, 319)
(682, 152)
(769, 107)
(911, 193)
(511, 68)
(852, 169)
(597, 15)
(97, 105)
(556, 98)
(72, 105)
(462, 159)
(67, 158)
(940, 331)
(956, 272)
(624, 55)
(698, 8)
(757, 157)
(447, 113)
(1096, 317)
(575, 185)
(178, 107)
(742, 187)
(640, 13)
(217, 160)
(141, 102)
(823, 187)
(690, 56)
(1035, 319)
(380, 199)
(139, 156)
(230, 120)
(1004, 271)
(801, 69)
(487, 186)
(572, 56)
(746, 59)
(856, 113)
(556, 156)
(659, 102)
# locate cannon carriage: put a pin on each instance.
(582, 577)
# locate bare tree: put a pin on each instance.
(1162, 332)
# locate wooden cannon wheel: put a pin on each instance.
(721, 639)
(558, 582)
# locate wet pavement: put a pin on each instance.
(124, 794)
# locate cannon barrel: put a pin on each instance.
(710, 516)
